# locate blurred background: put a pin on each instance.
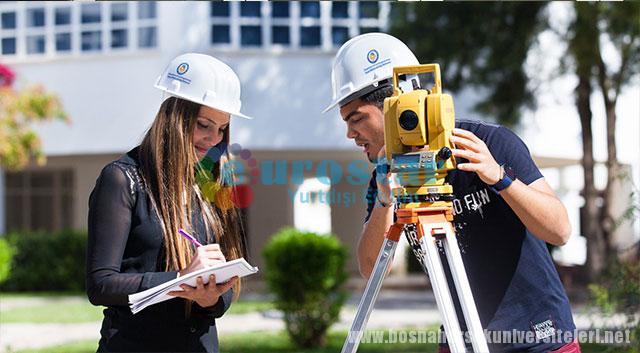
(77, 92)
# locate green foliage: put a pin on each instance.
(47, 262)
(305, 271)
(19, 109)
(632, 213)
(620, 293)
(481, 45)
(6, 256)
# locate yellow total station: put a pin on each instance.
(417, 127)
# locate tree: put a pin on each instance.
(593, 26)
(482, 45)
(485, 46)
(18, 111)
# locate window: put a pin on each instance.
(119, 12)
(35, 17)
(250, 35)
(8, 20)
(119, 38)
(39, 200)
(35, 44)
(146, 9)
(8, 46)
(280, 35)
(220, 34)
(339, 35)
(340, 9)
(91, 41)
(63, 42)
(147, 37)
(219, 9)
(250, 9)
(310, 9)
(63, 16)
(280, 9)
(91, 13)
(310, 36)
(368, 9)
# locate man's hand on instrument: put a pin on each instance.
(473, 149)
(386, 183)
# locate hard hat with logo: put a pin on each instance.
(202, 79)
(363, 62)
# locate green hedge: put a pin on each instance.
(305, 271)
(6, 256)
(47, 262)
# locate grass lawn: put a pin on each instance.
(260, 342)
(61, 310)
(76, 347)
(247, 306)
(54, 313)
(21, 295)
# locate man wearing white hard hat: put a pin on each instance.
(504, 209)
(141, 201)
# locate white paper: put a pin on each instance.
(223, 272)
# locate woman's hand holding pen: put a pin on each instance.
(204, 294)
(206, 256)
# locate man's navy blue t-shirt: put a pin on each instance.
(514, 282)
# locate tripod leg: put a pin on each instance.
(411, 234)
(365, 307)
(463, 288)
(441, 289)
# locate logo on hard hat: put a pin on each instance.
(182, 68)
(372, 56)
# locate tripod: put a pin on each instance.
(425, 225)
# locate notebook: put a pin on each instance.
(223, 272)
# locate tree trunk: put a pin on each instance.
(608, 218)
(596, 247)
(613, 173)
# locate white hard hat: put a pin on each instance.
(363, 62)
(202, 79)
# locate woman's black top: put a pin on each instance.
(124, 256)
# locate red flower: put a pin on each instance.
(6, 76)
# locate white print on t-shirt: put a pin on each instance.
(544, 329)
(472, 202)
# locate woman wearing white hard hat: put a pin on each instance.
(141, 201)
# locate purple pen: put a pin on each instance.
(189, 236)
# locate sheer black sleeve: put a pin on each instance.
(111, 205)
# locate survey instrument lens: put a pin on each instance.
(408, 120)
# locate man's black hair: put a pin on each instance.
(378, 96)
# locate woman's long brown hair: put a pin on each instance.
(168, 164)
